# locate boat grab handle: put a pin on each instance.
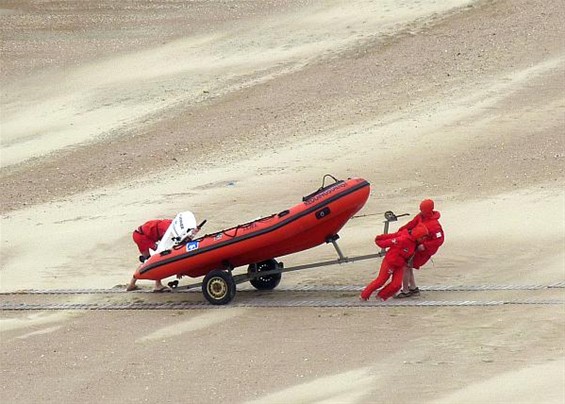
(323, 187)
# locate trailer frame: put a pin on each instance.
(254, 273)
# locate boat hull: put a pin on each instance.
(306, 225)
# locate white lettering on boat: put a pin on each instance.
(325, 193)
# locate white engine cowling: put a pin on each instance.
(183, 226)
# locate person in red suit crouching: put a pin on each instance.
(146, 237)
(401, 247)
(426, 249)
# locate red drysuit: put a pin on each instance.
(401, 247)
(429, 218)
(148, 234)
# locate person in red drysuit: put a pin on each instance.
(146, 237)
(428, 247)
(401, 246)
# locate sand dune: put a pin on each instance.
(114, 114)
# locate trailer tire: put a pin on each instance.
(267, 282)
(218, 287)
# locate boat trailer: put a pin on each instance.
(219, 287)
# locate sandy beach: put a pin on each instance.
(115, 113)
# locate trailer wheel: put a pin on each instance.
(218, 287)
(266, 282)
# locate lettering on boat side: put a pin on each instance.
(192, 245)
(325, 193)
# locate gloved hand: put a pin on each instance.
(421, 247)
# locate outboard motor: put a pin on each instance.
(181, 229)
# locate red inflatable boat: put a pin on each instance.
(312, 222)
